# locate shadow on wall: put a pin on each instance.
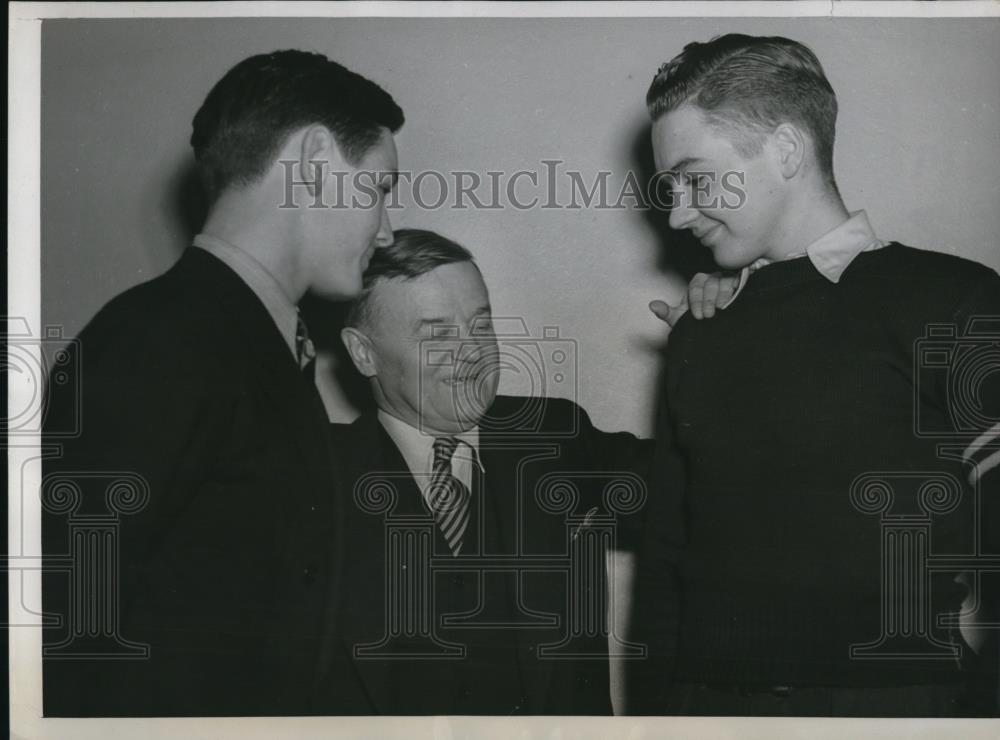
(189, 205)
(678, 252)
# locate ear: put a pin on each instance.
(790, 144)
(319, 157)
(361, 350)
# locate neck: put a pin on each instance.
(413, 420)
(811, 213)
(236, 218)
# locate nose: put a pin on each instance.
(384, 237)
(477, 347)
(473, 345)
(681, 215)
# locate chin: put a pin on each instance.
(451, 424)
(731, 263)
(730, 259)
(468, 411)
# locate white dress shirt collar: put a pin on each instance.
(831, 254)
(417, 448)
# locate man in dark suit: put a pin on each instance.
(193, 544)
(480, 522)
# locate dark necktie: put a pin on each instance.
(448, 496)
(305, 353)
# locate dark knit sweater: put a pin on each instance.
(770, 411)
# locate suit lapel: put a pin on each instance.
(277, 373)
(511, 478)
(411, 500)
(379, 455)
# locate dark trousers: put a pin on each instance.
(781, 701)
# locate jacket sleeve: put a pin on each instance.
(626, 454)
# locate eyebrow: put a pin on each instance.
(683, 164)
(429, 320)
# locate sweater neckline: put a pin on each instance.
(801, 270)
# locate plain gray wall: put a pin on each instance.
(917, 147)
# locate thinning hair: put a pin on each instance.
(746, 86)
(414, 252)
(248, 114)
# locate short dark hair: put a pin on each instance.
(746, 85)
(243, 122)
(413, 252)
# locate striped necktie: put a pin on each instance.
(448, 496)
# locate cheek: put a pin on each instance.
(395, 366)
(369, 218)
(435, 393)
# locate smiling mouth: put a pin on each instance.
(468, 378)
(464, 380)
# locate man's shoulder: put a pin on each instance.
(349, 430)
(912, 262)
(932, 285)
(537, 416)
(364, 421)
(356, 441)
(195, 278)
(547, 405)
(188, 308)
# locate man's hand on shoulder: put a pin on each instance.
(706, 292)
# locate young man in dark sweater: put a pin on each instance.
(827, 464)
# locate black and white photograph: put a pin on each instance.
(504, 370)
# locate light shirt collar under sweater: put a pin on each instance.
(417, 448)
(831, 254)
(264, 285)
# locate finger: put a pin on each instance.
(696, 294)
(667, 313)
(676, 312)
(660, 310)
(711, 296)
(727, 288)
(696, 288)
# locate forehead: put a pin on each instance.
(448, 291)
(683, 134)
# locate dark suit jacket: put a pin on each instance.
(226, 528)
(535, 445)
